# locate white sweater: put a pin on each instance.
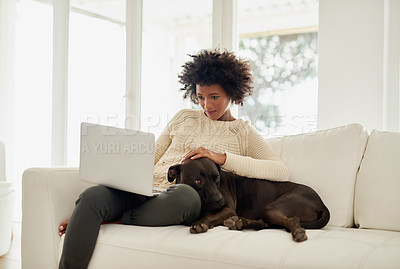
(247, 152)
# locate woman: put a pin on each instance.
(213, 79)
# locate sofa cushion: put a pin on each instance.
(125, 246)
(377, 203)
(327, 161)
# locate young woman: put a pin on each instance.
(214, 79)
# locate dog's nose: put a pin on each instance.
(219, 201)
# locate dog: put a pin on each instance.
(246, 203)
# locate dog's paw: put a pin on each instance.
(234, 223)
(197, 228)
(299, 235)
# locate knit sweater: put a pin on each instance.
(247, 152)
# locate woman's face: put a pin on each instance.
(214, 101)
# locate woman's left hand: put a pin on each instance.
(201, 152)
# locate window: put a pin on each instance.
(96, 74)
(279, 37)
(33, 77)
(168, 38)
(280, 40)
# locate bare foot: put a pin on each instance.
(62, 228)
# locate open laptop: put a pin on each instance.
(117, 158)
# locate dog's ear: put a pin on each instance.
(173, 172)
(218, 167)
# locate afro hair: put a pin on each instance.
(215, 67)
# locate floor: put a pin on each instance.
(12, 260)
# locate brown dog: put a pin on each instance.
(246, 203)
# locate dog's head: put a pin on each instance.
(204, 176)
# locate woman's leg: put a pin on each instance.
(179, 204)
(94, 205)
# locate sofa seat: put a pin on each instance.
(175, 247)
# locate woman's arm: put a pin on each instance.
(165, 139)
(261, 161)
(162, 144)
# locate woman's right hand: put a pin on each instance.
(202, 152)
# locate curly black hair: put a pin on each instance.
(217, 67)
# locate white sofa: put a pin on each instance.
(357, 174)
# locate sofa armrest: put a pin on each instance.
(48, 198)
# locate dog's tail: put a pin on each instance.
(323, 219)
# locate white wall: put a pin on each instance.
(391, 85)
(356, 43)
(7, 14)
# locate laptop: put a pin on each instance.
(118, 158)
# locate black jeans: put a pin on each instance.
(180, 204)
